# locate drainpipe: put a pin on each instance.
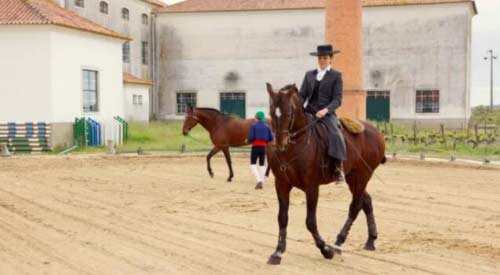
(154, 69)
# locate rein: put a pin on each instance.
(284, 165)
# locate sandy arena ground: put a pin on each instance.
(159, 215)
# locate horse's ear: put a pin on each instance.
(270, 90)
(292, 90)
(189, 108)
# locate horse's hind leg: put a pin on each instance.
(354, 208)
(312, 203)
(214, 151)
(229, 163)
(370, 220)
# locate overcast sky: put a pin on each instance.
(485, 36)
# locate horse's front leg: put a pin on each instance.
(212, 153)
(283, 191)
(229, 163)
(312, 203)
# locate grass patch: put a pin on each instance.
(165, 136)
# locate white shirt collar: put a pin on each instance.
(322, 73)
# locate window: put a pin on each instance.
(125, 14)
(145, 20)
(145, 52)
(137, 100)
(126, 52)
(185, 99)
(427, 101)
(104, 7)
(90, 92)
(80, 3)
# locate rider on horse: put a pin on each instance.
(321, 92)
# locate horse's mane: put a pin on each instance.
(208, 109)
(289, 87)
(213, 110)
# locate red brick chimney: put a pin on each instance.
(344, 31)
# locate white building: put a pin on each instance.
(418, 60)
(137, 104)
(220, 53)
(56, 66)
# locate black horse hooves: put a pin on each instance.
(229, 179)
(274, 260)
(369, 247)
(211, 174)
(328, 252)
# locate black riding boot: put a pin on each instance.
(339, 172)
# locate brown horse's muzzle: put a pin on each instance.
(282, 142)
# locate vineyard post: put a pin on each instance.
(415, 132)
(476, 133)
(443, 135)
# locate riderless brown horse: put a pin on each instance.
(225, 131)
(299, 159)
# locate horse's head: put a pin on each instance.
(190, 121)
(285, 106)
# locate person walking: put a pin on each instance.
(259, 136)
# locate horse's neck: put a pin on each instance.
(208, 120)
(300, 122)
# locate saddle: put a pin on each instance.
(353, 126)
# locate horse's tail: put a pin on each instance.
(384, 160)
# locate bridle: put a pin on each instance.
(291, 136)
(192, 116)
(288, 131)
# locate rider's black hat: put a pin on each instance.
(323, 50)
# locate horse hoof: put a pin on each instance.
(337, 249)
(258, 186)
(274, 260)
(328, 252)
(211, 175)
(229, 179)
(369, 247)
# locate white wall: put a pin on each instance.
(420, 47)
(413, 47)
(71, 52)
(41, 73)
(198, 50)
(132, 28)
(25, 74)
(136, 112)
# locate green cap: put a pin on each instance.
(260, 116)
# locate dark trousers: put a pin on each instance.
(258, 153)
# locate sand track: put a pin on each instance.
(158, 215)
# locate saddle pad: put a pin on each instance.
(353, 126)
